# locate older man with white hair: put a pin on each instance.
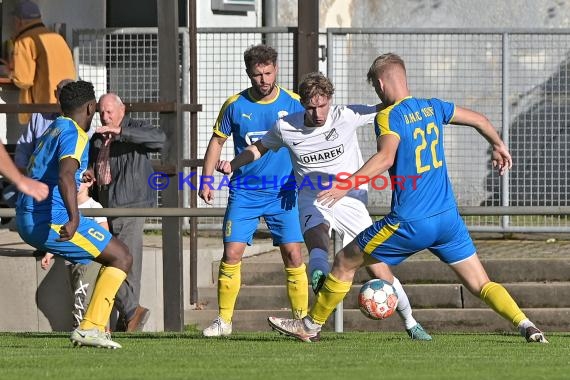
(119, 155)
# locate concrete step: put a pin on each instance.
(427, 271)
(541, 286)
(422, 296)
(433, 320)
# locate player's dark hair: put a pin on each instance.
(381, 63)
(259, 54)
(75, 94)
(315, 84)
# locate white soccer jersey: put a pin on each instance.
(92, 203)
(319, 154)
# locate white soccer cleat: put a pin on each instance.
(533, 335)
(295, 328)
(93, 338)
(218, 328)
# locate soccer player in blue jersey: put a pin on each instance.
(55, 224)
(322, 144)
(424, 212)
(264, 188)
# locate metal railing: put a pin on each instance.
(465, 211)
(518, 78)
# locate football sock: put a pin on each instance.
(319, 259)
(103, 298)
(229, 283)
(525, 323)
(298, 290)
(404, 308)
(497, 297)
(332, 292)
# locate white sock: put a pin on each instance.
(404, 308)
(311, 324)
(319, 259)
(524, 324)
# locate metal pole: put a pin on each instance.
(329, 57)
(193, 151)
(307, 41)
(269, 19)
(505, 201)
(169, 76)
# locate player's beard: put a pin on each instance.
(261, 92)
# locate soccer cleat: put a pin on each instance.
(139, 318)
(533, 335)
(218, 328)
(93, 338)
(418, 333)
(317, 280)
(295, 328)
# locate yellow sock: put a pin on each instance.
(332, 292)
(298, 290)
(103, 298)
(499, 299)
(229, 283)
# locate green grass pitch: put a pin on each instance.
(354, 355)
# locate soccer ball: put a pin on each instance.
(377, 299)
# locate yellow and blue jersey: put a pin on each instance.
(63, 138)
(424, 213)
(421, 185)
(247, 121)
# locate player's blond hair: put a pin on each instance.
(382, 63)
(315, 84)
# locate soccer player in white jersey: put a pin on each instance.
(323, 146)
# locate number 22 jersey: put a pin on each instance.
(423, 187)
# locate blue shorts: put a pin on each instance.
(392, 241)
(89, 240)
(280, 212)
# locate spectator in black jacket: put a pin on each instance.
(119, 154)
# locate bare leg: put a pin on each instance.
(475, 278)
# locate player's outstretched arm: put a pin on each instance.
(500, 155)
(37, 190)
(211, 158)
(248, 155)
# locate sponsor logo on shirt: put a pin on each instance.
(252, 137)
(323, 155)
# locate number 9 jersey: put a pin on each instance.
(421, 185)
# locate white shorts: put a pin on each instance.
(348, 217)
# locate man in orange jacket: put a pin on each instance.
(40, 59)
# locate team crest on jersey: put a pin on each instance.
(282, 114)
(252, 137)
(332, 135)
